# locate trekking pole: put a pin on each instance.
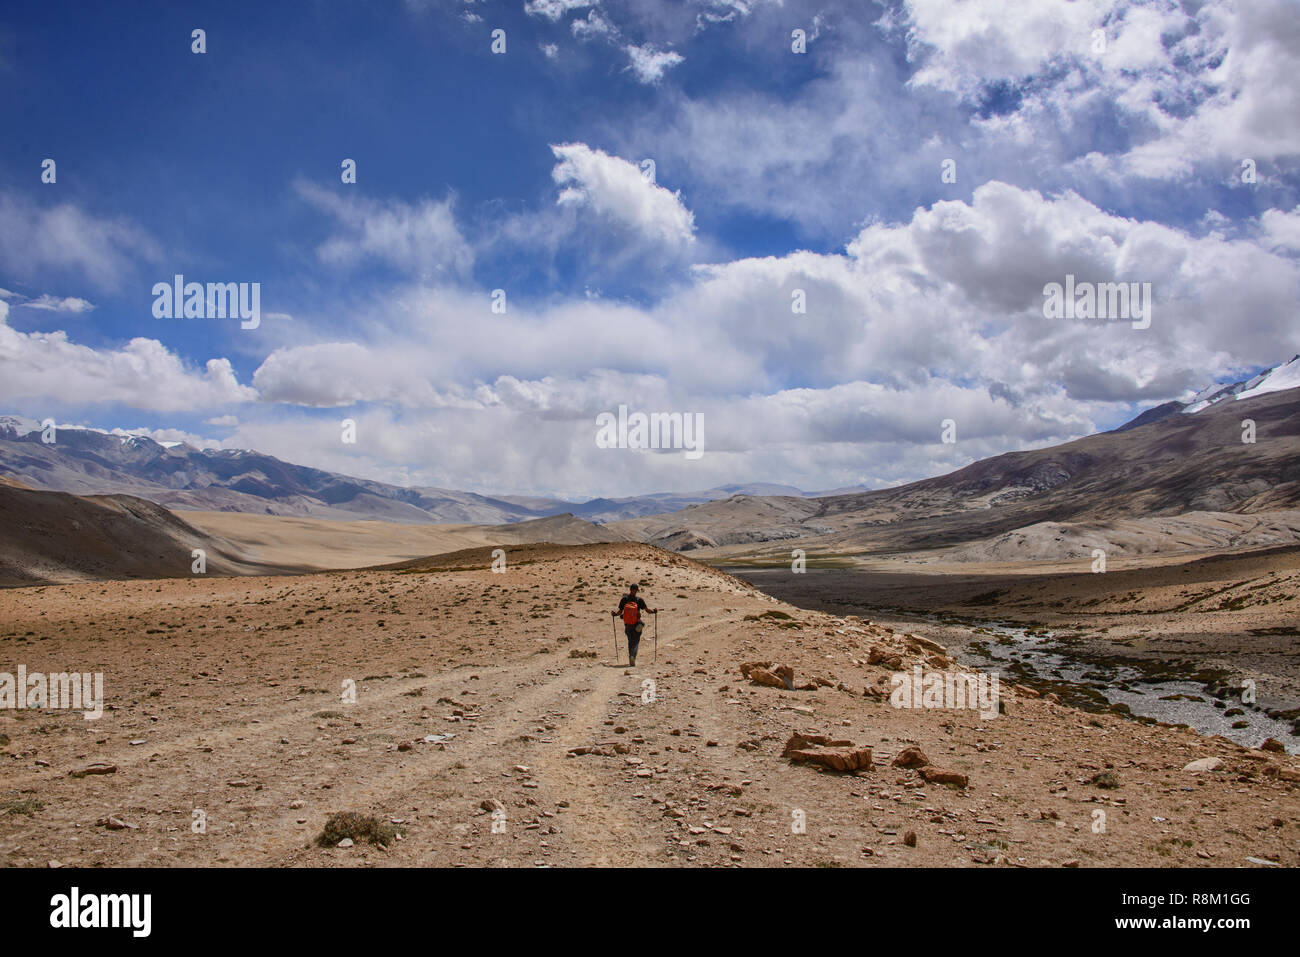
(614, 625)
(656, 637)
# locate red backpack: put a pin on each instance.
(631, 613)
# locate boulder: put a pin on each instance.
(911, 757)
(837, 759)
(940, 776)
(803, 740)
(881, 656)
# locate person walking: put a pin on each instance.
(630, 607)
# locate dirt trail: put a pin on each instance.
(224, 696)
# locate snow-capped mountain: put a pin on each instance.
(1276, 379)
(1284, 376)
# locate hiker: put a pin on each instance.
(630, 607)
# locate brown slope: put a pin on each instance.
(1178, 464)
(55, 536)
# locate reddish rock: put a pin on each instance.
(806, 740)
(98, 767)
(761, 676)
(837, 759)
(911, 757)
(782, 676)
(940, 776)
(1282, 774)
(880, 656)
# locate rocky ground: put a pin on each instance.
(487, 699)
(1230, 614)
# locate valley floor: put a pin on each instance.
(472, 687)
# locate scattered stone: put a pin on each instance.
(879, 656)
(825, 751)
(911, 757)
(773, 679)
(116, 824)
(1282, 774)
(802, 741)
(1203, 764)
(98, 767)
(940, 776)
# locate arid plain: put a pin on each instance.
(487, 699)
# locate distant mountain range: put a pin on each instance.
(179, 476)
(1195, 465)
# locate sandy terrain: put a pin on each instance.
(224, 697)
(316, 543)
(321, 543)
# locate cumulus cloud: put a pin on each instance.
(1281, 230)
(1195, 84)
(615, 188)
(961, 46)
(143, 374)
(937, 316)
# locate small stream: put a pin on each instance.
(1044, 662)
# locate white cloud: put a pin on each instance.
(615, 188)
(649, 64)
(1194, 84)
(64, 238)
(143, 374)
(553, 10)
(421, 239)
(594, 25)
(1281, 230)
(939, 316)
(50, 303)
(961, 45)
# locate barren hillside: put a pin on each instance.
(493, 726)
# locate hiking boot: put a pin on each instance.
(632, 661)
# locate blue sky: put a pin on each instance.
(775, 171)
